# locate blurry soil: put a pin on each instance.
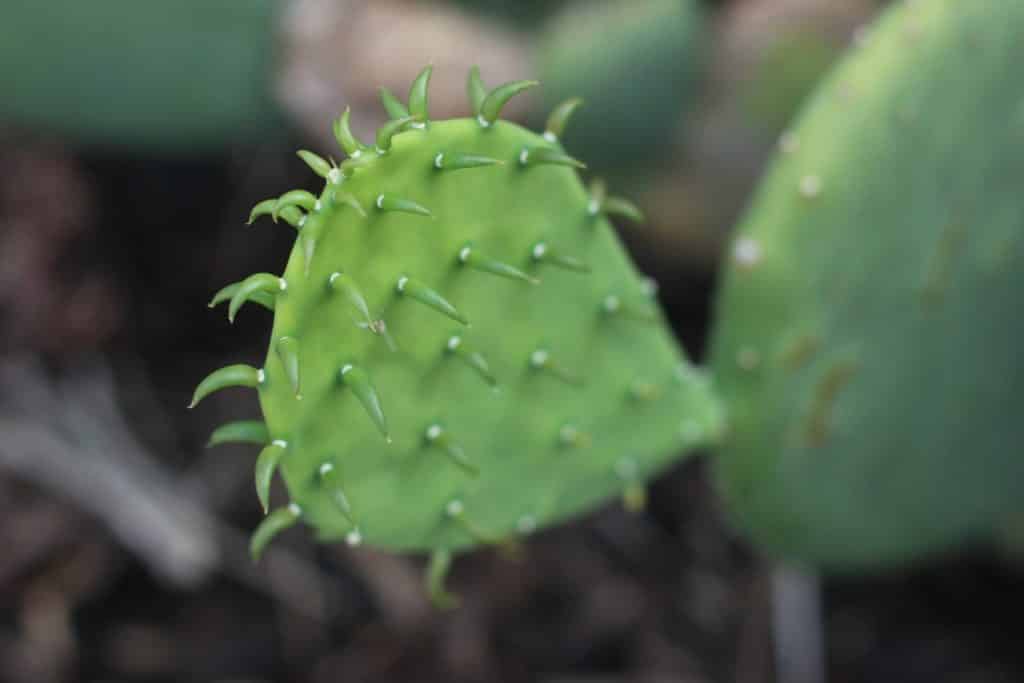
(110, 261)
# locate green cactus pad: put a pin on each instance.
(461, 349)
(869, 345)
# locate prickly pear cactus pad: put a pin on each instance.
(869, 341)
(461, 350)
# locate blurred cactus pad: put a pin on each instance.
(461, 350)
(162, 77)
(635, 64)
(869, 333)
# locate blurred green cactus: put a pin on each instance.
(173, 77)
(868, 345)
(635, 65)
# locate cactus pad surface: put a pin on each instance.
(461, 350)
(868, 345)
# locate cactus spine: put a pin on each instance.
(444, 369)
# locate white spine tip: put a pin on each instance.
(539, 358)
(464, 254)
(280, 443)
(593, 207)
(294, 509)
(283, 284)
(550, 137)
(434, 432)
(334, 176)
(439, 160)
(454, 508)
(380, 201)
(746, 252)
(261, 376)
(354, 538)
(611, 303)
(326, 469)
(526, 524)
(345, 369)
(539, 250)
(524, 157)
(302, 220)
(810, 186)
(402, 282)
(484, 123)
(319, 205)
(789, 142)
(454, 342)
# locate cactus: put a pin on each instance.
(461, 350)
(178, 77)
(868, 339)
(636, 66)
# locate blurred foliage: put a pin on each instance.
(172, 77)
(636, 66)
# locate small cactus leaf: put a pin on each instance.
(490, 108)
(316, 163)
(348, 199)
(264, 208)
(359, 382)
(541, 252)
(266, 465)
(437, 571)
(476, 254)
(614, 307)
(264, 299)
(475, 90)
(276, 522)
(288, 354)
(330, 482)
(541, 360)
(468, 256)
(418, 291)
(291, 215)
(454, 161)
(231, 376)
(389, 202)
(559, 118)
(471, 357)
(617, 206)
(541, 156)
(437, 436)
(297, 198)
(344, 285)
(346, 140)
(392, 105)
(242, 431)
(259, 282)
(389, 130)
(419, 107)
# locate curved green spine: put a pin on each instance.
(868, 344)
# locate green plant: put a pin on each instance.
(461, 350)
(868, 342)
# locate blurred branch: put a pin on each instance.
(68, 436)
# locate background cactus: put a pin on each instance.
(461, 349)
(868, 342)
(623, 59)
